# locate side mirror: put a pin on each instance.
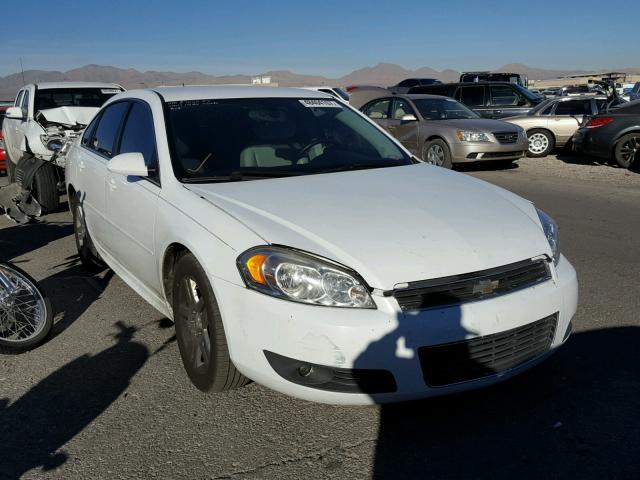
(408, 118)
(14, 113)
(129, 164)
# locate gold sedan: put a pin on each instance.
(552, 123)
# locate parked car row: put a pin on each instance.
(3, 155)
(295, 242)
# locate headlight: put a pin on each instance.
(551, 232)
(302, 277)
(476, 137)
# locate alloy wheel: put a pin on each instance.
(196, 325)
(435, 155)
(629, 150)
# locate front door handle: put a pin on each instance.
(112, 184)
(80, 165)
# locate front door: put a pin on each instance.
(132, 202)
(405, 131)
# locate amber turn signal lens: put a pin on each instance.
(254, 266)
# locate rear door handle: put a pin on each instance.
(112, 184)
(80, 165)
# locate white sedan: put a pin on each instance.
(295, 243)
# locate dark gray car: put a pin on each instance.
(442, 131)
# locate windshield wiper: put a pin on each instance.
(240, 176)
(361, 166)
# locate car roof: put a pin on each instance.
(50, 85)
(174, 94)
(481, 82)
(418, 96)
(578, 97)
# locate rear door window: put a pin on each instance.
(472, 96)
(25, 103)
(401, 108)
(104, 140)
(18, 99)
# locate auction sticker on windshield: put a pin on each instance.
(320, 103)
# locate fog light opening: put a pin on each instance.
(305, 370)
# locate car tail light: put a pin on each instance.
(351, 88)
(598, 122)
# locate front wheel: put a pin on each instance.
(199, 330)
(437, 153)
(627, 150)
(541, 142)
(87, 252)
(45, 188)
(26, 316)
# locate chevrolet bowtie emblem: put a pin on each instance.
(485, 287)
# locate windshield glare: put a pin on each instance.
(271, 137)
(442, 109)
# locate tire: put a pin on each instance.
(627, 150)
(436, 152)
(87, 252)
(31, 295)
(199, 330)
(541, 142)
(45, 188)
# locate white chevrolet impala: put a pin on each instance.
(295, 243)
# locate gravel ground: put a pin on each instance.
(106, 396)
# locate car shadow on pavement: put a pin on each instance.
(576, 415)
(38, 424)
(18, 240)
(489, 165)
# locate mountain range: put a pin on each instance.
(382, 74)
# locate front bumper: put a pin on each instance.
(385, 339)
(463, 152)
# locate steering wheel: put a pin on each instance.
(302, 152)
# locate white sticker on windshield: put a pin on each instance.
(309, 103)
(110, 90)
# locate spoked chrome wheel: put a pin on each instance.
(538, 143)
(435, 155)
(25, 313)
(195, 325)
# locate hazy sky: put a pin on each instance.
(330, 37)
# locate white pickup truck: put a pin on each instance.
(38, 129)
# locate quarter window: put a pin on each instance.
(138, 136)
(472, 96)
(104, 141)
(378, 110)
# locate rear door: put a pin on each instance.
(97, 146)
(132, 202)
(567, 117)
(405, 131)
(474, 97)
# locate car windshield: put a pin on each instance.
(541, 106)
(252, 138)
(442, 109)
(73, 97)
(527, 93)
(342, 93)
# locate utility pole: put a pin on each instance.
(22, 70)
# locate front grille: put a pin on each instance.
(473, 286)
(484, 356)
(506, 137)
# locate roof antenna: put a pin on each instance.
(22, 70)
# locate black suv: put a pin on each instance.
(488, 99)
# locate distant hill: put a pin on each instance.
(382, 74)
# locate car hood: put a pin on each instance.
(71, 116)
(391, 225)
(479, 125)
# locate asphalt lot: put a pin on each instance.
(106, 396)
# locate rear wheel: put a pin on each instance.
(199, 330)
(45, 188)
(541, 142)
(627, 150)
(437, 153)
